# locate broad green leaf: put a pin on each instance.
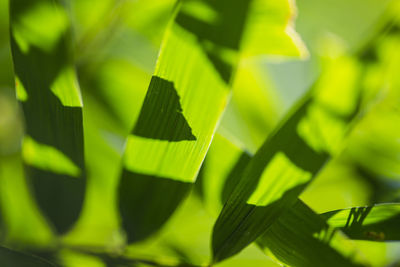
(10, 257)
(338, 186)
(48, 90)
(185, 100)
(286, 163)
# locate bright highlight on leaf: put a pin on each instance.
(66, 88)
(22, 95)
(48, 158)
(286, 176)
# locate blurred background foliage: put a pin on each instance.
(347, 45)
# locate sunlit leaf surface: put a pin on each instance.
(183, 105)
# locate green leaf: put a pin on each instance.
(302, 238)
(27, 227)
(377, 223)
(269, 30)
(165, 158)
(184, 103)
(10, 257)
(49, 92)
(286, 163)
(299, 237)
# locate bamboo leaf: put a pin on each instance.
(270, 30)
(285, 164)
(299, 237)
(376, 223)
(184, 102)
(48, 90)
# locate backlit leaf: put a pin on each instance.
(48, 90)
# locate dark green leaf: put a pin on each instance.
(48, 90)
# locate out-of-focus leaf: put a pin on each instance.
(48, 90)
(254, 108)
(114, 79)
(270, 30)
(337, 186)
(69, 258)
(182, 107)
(6, 75)
(22, 221)
(288, 161)
(10, 257)
(150, 18)
(162, 160)
(374, 145)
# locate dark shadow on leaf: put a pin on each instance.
(10, 258)
(223, 32)
(292, 239)
(146, 202)
(59, 196)
(234, 176)
(161, 115)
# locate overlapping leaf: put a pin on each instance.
(287, 162)
(299, 237)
